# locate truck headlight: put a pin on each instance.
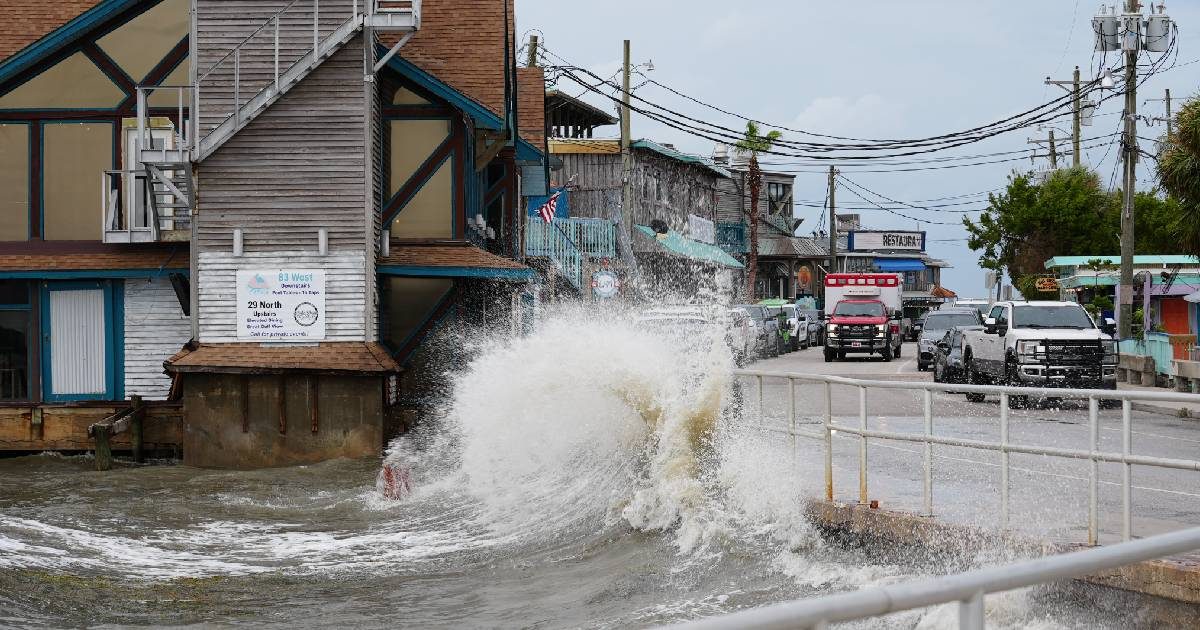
(1030, 348)
(831, 328)
(1110, 351)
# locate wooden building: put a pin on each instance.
(259, 181)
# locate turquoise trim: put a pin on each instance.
(483, 116)
(117, 339)
(89, 274)
(64, 36)
(427, 323)
(419, 184)
(456, 272)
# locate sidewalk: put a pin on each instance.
(1178, 410)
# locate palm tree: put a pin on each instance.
(752, 144)
(1179, 173)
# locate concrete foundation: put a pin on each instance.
(246, 421)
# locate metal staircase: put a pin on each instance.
(155, 200)
(548, 240)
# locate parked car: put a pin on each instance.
(978, 304)
(914, 329)
(1041, 344)
(767, 328)
(934, 327)
(742, 336)
(778, 309)
(816, 325)
(947, 357)
(862, 326)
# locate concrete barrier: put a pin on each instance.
(1187, 375)
(1136, 369)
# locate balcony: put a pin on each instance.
(140, 210)
(594, 238)
(731, 237)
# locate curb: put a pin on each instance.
(1174, 412)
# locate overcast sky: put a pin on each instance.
(868, 69)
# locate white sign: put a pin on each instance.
(871, 241)
(701, 229)
(605, 284)
(281, 305)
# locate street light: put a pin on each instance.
(1106, 80)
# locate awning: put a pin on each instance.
(1192, 297)
(449, 259)
(676, 243)
(899, 264)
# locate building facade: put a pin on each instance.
(297, 195)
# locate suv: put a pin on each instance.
(767, 327)
(1040, 344)
(934, 327)
(861, 326)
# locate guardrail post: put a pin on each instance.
(762, 414)
(862, 446)
(792, 416)
(1093, 470)
(1126, 470)
(828, 441)
(1004, 459)
(970, 612)
(928, 471)
(137, 428)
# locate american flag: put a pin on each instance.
(547, 210)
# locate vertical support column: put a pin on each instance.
(828, 441)
(970, 612)
(1004, 459)
(792, 415)
(103, 437)
(1093, 470)
(312, 401)
(245, 404)
(281, 398)
(862, 446)
(136, 428)
(1126, 470)
(928, 471)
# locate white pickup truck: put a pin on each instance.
(1040, 344)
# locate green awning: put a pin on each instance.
(677, 243)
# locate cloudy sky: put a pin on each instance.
(868, 69)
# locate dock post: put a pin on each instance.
(135, 436)
(103, 436)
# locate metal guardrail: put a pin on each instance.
(596, 238)
(1005, 447)
(968, 589)
(551, 241)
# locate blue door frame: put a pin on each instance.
(114, 341)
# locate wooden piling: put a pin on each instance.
(135, 436)
(103, 435)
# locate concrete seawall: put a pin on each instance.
(1176, 579)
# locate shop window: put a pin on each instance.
(15, 337)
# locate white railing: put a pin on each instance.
(1005, 447)
(968, 589)
(549, 240)
(123, 221)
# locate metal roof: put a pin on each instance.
(1144, 259)
(650, 145)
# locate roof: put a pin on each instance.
(35, 260)
(677, 243)
(330, 357)
(461, 43)
(24, 22)
(1143, 259)
(578, 111)
(650, 145)
(449, 259)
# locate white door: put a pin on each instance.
(77, 361)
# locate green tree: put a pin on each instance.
(1179, 173)
(752, 144)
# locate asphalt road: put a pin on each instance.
(1048, 495)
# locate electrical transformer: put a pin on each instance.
(1158, 33)
(1105, 26)
(1131, 32)
(1087, 109)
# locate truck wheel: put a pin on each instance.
(897, 352)
(973, 379)
(1017, 402)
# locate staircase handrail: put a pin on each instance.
(273, 19)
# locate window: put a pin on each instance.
(998, 315)
(15, 329)
(779, 198)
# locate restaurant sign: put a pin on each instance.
(885, 240)
(281, 305)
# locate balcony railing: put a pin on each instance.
(550, 240)
(594, 238)
(731, 237)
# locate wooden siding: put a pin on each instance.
(155, 329)
(223, 24)
(345, 291)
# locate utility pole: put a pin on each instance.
(1053, 155)
(626, 172)
(533, 50)
(1074, 117)
(1130, 149)
(1167, 98)
(832, 219)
